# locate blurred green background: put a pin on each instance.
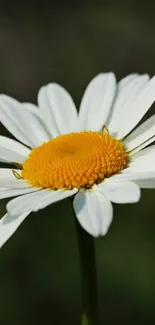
(69, 43)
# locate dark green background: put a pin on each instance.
(70, 43)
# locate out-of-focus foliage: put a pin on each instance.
(69, 43)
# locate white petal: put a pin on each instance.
(144, 132)
(131, 105)
(126, 91)
(143, 153)
(54, 197)
(8, 179)
(142, 161)
(146, 183)
(12, 151)
(35, 110)
(125, 192)
(58, 109)
(127, 81)
(8, 225)
(133, 176)
(141, 146)
(97, 101)
(8, 192)
(38, 200)
(21, 122)
(94, 212)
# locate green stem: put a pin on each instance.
(88, 276)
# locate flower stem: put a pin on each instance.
(88, 276)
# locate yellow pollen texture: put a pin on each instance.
(74, 160)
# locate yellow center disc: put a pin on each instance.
(74, 160)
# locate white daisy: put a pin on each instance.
(89, 155)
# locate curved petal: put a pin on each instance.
(35, 110)
(146, 183)
(140, 136)
(141, 146)
(8, 179)
(94, 212)
(127, 81)
(143, 153)
(96, 102)
(8, 225)
(21, 122)
(125, 93)
(131, 104)
(123, 192)
(58, 109)
(142, 161)
(9, 192)
(132, 175)
(38, 200)
(12, 151)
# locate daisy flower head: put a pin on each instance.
(96, 156)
